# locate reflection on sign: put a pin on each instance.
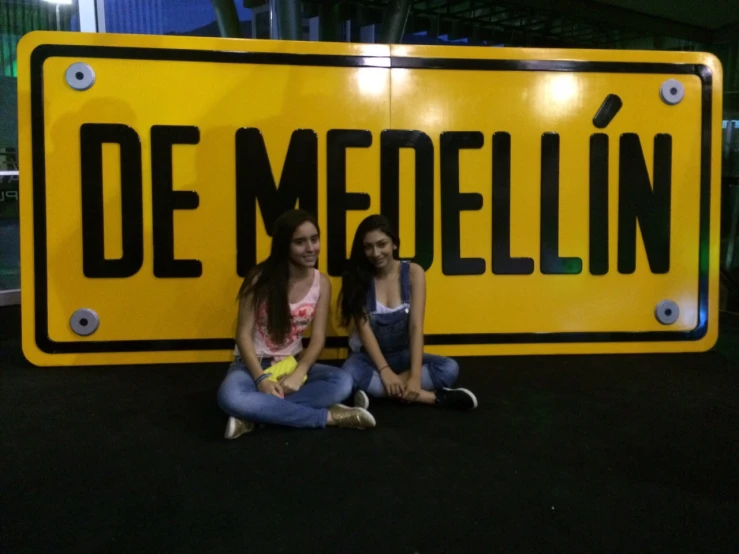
(9, 197)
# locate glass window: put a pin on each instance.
(18, 17)
(262, 23)
(9, 232)
(730, 145)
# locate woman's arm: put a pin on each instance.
(244, 341)
(393, 384)
(318, 330)
(369, 341)
(415, 325)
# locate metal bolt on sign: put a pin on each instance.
(80, 76)
(667, 312)
(84, 322)
(672, 92)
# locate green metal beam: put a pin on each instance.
(395, 20)
(327, 21)
(289, 16)
(227, 18)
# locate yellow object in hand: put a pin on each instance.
(283, 368)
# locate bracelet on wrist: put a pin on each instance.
(382, 368)
(261, 378)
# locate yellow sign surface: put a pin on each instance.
(561, 201)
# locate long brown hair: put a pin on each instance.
(359, 272)
(268, 280)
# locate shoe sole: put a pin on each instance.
(361, 400)
(468, 393)
(230, 433)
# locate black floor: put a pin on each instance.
(565, 454)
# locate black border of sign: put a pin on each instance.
(43, 52)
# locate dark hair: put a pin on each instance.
(359, 271)
(268, 280)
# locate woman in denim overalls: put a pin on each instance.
(384, 300)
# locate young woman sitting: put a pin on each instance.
(278, 300)
(384, 300)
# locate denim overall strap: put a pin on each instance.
(405, 288)
(391, 328)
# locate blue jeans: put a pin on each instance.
(239, 397)
(436, 372)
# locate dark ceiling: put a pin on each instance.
(583, 23)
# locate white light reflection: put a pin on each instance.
(560, 93)
(432, 116)
(373, 82)
(564, 87)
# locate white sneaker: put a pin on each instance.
(236, 427)
(361, 400)
(456, 399)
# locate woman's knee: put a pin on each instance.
(354, 366)
(226, 396)
(234, 400)
(336, 383)
(447, 371)
(358, 368)
(345, 385)
(342, 383)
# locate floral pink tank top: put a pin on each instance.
(302, 313)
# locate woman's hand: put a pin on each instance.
(394, 385)
(270, 387)
(412, 388)
(292, 383)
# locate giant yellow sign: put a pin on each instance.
(560, 200)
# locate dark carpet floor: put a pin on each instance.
(565, 454)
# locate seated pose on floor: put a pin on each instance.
(278, 300)
(384, 300)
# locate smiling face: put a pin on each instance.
(305, 245)
(379, 248)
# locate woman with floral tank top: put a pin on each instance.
(279, 299)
